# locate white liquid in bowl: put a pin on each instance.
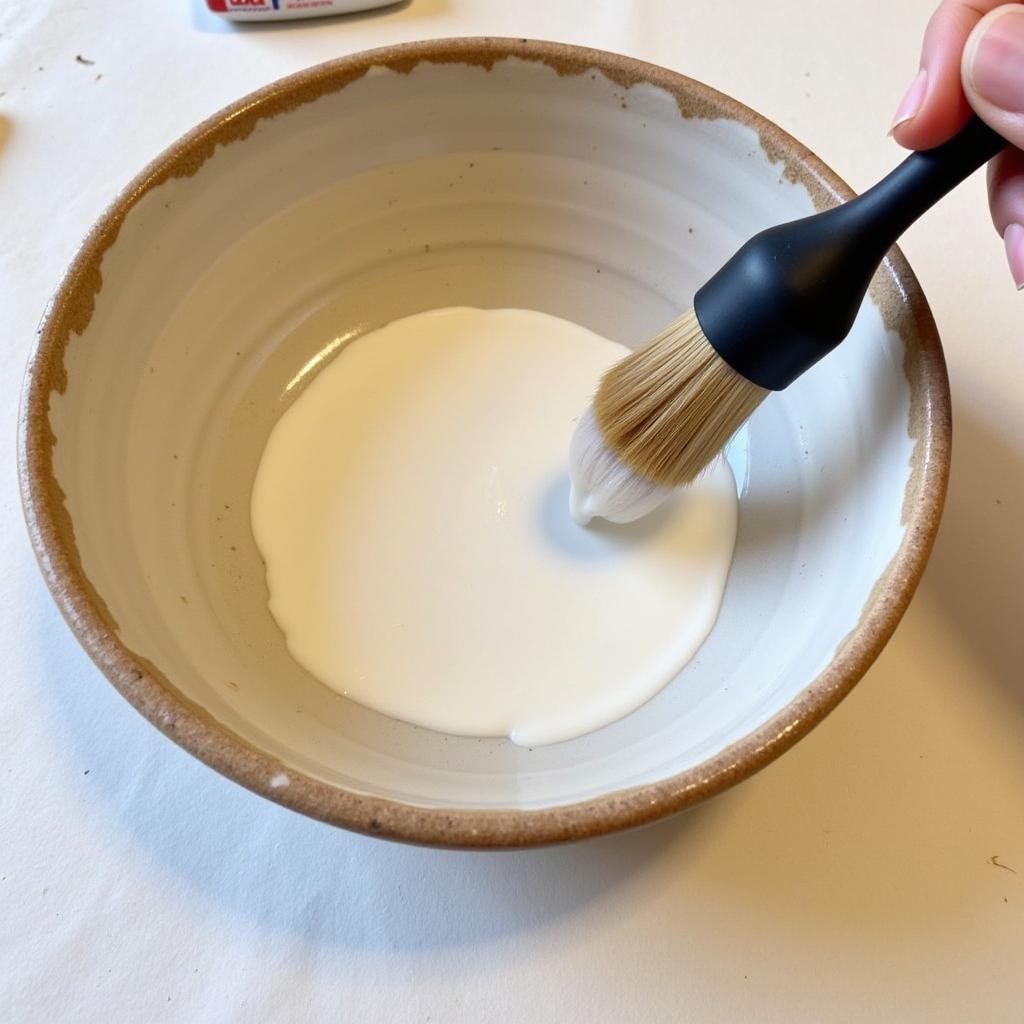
(411, 507)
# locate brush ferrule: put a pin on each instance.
(791, 294)
(787, 298)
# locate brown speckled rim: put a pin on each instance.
(895, 290)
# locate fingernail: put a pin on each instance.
(1013, 239)
(912, 100)
(997, 64)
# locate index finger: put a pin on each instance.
(935, 107)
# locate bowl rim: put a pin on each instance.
(896, 291)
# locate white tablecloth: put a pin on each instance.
(876, 872)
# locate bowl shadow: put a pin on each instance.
(260, 864)
(865, 826)
(975, 572)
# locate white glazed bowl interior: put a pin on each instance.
(451, 183)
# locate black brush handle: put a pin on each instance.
(791, 293)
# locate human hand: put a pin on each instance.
(973, 58)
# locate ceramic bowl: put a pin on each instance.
(486, 172)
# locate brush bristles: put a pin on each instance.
(669, 408)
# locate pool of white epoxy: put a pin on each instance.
(411, 508)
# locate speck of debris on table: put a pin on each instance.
(996, 863)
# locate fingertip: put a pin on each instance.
(906, 134)
(942, 112)
(1006, 197)
(932, 112)
(931, 127)
(1013, 239)
(903, 133)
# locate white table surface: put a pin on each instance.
(874, 873)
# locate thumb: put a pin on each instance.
(992, 71)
